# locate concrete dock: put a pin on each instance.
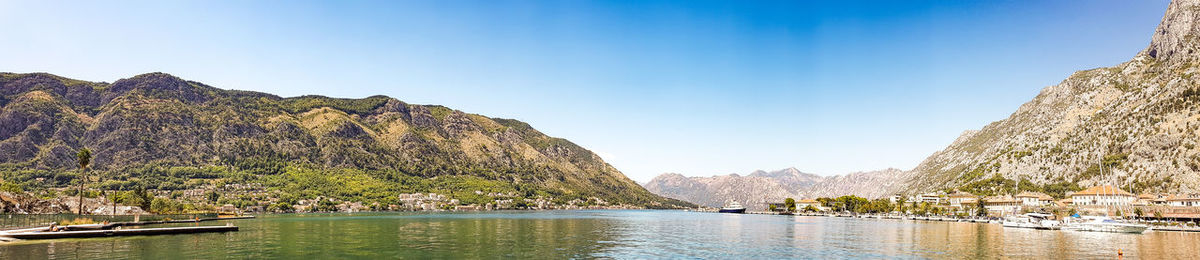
(119, 232)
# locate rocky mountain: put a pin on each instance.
(161, 132)
(1140, 120)
(760, 187)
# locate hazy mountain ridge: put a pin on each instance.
(157, 119)
(760, 187)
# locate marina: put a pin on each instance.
(1034, 221)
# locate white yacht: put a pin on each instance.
(1032, 220)
(1104, 224)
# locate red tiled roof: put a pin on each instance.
(1103, 190)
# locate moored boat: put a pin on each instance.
(733, 207)
(1031, 220)
(1105, 224)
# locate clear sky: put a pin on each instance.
(694, 87)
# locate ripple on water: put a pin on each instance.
(610, 234)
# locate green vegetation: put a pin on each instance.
(790, 203)
(439, 112)
(84, 158)
(354, 106)
(200, 146)
(10, 187)
(998, 185)
(810, 208)
(1110, 161)
(857, 204)
(981, 207)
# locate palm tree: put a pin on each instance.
(85, 158)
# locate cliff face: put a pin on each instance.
(760, 187)
(1139, 119)
(161, 120)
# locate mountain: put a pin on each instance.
(163, 133)
(1139, 119)
(760, 187)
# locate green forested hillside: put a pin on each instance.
(171, 136)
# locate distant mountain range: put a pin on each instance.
(1136, 125)
(760, 187)
(157, 131)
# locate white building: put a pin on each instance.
(1184, 200)
(962, 199)
(931, 198)
(1034, 199)
(804, 203)
(1002, 205)
(1104, 196)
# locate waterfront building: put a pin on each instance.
(1149, 199)
(1002, 205)
(961, 199)
(1034, 199)
(804, 203)
(1065, 202)
(1103, 195)
(1184, 200)
(931, 198)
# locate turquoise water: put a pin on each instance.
(624, 234)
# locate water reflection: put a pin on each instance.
(611, 234)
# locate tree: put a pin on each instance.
(981, 207)
(771, 207)
(790, 203)
(900, 204)
(85, 158)
(138, 197)
(923, 208)
(212, 196)
(810, 208)
(165, 206)
(1138, 212)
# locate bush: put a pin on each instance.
(165, 206)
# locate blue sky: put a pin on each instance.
(694, 87)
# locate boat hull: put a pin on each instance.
(1111, 228)
(741, 210)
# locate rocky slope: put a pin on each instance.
(760, 187)
(139, 127)
(1140, 119)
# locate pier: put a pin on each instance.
(115, 229)
(118, 232)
